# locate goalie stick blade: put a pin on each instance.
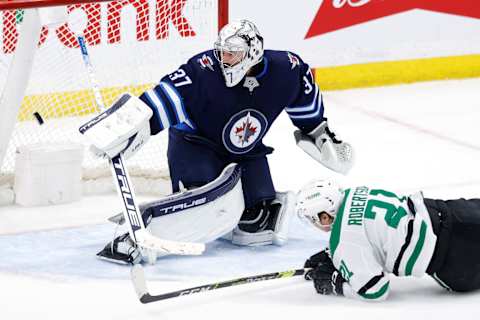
(172, 247)
(139, 283)
(148, 241)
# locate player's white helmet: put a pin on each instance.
(239, 47)
(317, 197)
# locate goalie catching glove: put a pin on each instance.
(322, 145)
(122, 128)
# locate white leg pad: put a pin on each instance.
(278, 236)
(287, 200)
(243, 238)
(203, 223)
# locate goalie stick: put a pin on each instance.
(138, 279)
(139, 234)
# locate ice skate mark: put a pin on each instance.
(474, 184)
(413, 127)
(455, 185)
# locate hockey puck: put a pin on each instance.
(38, 117)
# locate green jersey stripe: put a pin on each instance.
(337, 225)
(418, 249)
(377, 294)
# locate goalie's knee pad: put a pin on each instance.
(265, 223)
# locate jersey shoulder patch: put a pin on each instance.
(287, 61)
(294, 60)
(205, 61)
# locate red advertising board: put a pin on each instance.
(338, 14)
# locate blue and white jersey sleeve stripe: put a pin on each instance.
(175, 102)
(154, 101)
(307, 116)
(168, 107)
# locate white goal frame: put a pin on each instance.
(14, 90)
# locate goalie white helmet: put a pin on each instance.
(316, 198)
(239, 47)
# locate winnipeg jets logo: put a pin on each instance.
(244, 130)
(206, 62)
(293, 60)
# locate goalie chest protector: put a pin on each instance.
(237, 118)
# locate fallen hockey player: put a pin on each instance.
(375, 233)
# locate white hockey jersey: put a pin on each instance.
(375, 234)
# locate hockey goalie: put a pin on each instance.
(217, 108)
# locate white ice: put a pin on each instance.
(411, 137)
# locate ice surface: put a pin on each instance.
(407, 138)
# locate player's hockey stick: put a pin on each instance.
(141, 236)
(138, 278)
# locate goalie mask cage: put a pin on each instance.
(132, 44)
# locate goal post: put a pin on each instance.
(132, 44)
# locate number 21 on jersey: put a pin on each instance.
(393, 213)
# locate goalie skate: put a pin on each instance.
(121, 250)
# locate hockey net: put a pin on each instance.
(132, 44)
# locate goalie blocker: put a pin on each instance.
(122, 128)
(203, 215)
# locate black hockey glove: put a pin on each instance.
(318, 258)
(326, 279)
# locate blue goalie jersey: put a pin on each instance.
(195, 98)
